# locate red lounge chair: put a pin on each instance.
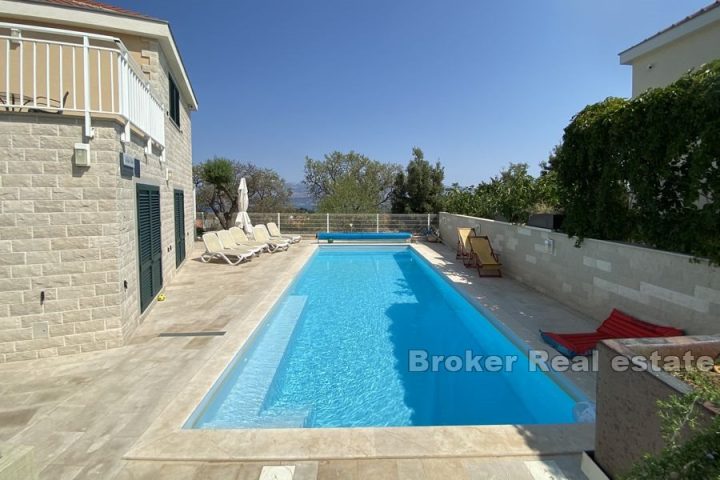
(617, 325)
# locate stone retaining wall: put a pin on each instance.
(656, 286)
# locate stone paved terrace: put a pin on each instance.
(83, 413)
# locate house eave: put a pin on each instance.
(706, 18)
(79, 18)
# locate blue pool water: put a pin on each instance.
(334, 352)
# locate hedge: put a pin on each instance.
(647, 170)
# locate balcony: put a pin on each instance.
(77, 73)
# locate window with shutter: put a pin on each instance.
(179, 227)
(174, 101)
(149, 243)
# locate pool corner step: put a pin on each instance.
(258, 374)
(296, 418)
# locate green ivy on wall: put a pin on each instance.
(647, 170)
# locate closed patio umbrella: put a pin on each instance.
(243, 219)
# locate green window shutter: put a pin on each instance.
(179, 227)
(149, 243)
(174, 98)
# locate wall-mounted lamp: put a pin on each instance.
(81, 156)
(168, 174)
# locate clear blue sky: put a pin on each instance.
(474, 83)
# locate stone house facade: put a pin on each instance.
(84, 250)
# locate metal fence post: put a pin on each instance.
(377, 223)
(327, 222)
(428, 226)
(278, 215)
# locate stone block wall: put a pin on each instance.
(70, 233)
(57, 238)
(660, 287)
(178, 159)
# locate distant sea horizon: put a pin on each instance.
(300, 198)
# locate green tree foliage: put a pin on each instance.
(421, 189)
(217, 181)
(349, 182)
(647, 169)
(472, 200)
(399, 194)
(512, 195)
(548, 194)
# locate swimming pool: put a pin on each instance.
(339, 349)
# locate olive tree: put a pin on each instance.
(349, 182)
(217, 181)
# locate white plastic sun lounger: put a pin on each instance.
(214, 249)
(228, 242)
(275, 234)
(262, 235)
(241, 239)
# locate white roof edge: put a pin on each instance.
(108, 22)
(669, 35)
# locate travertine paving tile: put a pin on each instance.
(306, 471)
(157, 470)
(16, 418)
(378, 469)
(338, 470)
(219, 471)
(61, 472)
(445, 468)
(411, 469)
(497, 470)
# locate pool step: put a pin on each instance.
(300, 418)
(259, 371)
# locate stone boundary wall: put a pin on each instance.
(657, 286)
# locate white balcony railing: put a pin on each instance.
(63, 71)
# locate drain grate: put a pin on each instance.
(192, 334)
